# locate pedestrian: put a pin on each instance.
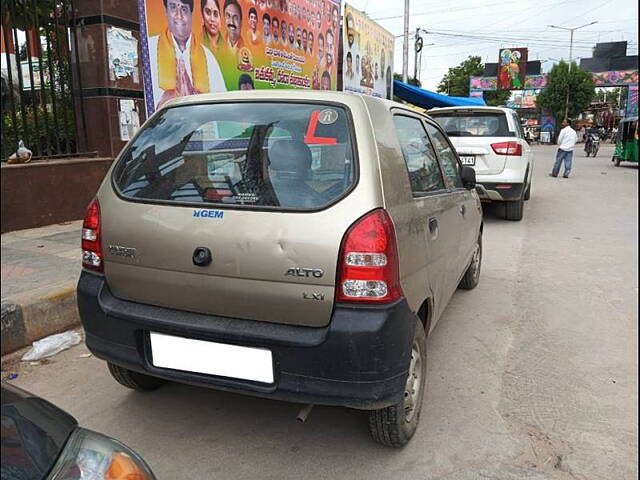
(566, 143)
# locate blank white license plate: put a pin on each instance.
(212, 358)
(468, 160)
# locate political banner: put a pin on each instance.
(615, 78)
(529, 98)
(512, 68)
(632, 101)
(483, 83)
(204, 46)
(367, 64)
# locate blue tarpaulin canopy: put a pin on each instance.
(426, 99)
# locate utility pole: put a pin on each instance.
(416, 50)
(405, 45)
(571, 30)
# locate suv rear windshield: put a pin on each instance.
(474, 124)
(284, 155)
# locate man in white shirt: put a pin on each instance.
(180, 65)
(566, 143)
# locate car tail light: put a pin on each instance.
(92, 257)
(368, 262)
(93, 456)
(507, 148)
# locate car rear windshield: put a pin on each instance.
(287, 155)
(474, 124)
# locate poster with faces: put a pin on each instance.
(367, 56)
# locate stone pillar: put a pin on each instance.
(102, 90)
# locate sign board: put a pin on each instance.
(367, 56)
(26, 76)
(483, 83)
(632, 101)
(615, 78)
(512, 68)
(208, 46)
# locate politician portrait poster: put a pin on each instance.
(191, 47)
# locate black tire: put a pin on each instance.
(134, 380)
(595, 152)
(514, 210)
(471, 277)
(390, 426)
(527, 192)
(617, 162)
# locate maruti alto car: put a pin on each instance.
(292, 245)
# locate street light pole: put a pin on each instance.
(571, 30)
(405, 45)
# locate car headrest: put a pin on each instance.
(291, 158)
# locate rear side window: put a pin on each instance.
(474, 124)
(295, 156)
(419, 155)
(448, 158)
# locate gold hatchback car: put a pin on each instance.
(294, 245)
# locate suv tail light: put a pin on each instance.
(92, 257)
(368, 263)
(507, 148)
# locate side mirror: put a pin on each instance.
(468, 175)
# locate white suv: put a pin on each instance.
(491, 140)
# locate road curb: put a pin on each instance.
(30, 318)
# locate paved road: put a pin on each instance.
(533, 374)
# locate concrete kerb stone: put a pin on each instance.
(40, 314)
(13, 331)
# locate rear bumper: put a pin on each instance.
(359, 360)
(499, 192)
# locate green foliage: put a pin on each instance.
(577, 83)
(456, 82)
(614, 96)
(65, 133)
(497, 98)
(26, 15)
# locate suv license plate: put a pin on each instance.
(468, 160)
(211, 358)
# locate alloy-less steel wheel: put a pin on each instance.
(395, 425)
(472, 275)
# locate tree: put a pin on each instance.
(614, 96)
(577, 83)
(456, 82)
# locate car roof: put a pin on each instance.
(279, 95)
(470, 109)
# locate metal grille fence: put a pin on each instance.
(42, 102)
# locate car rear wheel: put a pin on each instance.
(617, 162)
(472, 275)
(527, 192)
(395, 425)
(514, 210)
(134, 380)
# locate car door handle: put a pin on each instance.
(463, 210)
(433, 227)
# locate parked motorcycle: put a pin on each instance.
(592, 145)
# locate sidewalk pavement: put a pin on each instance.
(40, 270)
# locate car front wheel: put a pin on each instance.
(395, 425)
